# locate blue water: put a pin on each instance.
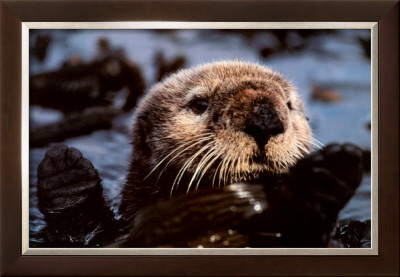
(335, 60)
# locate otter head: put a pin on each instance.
(220, 123)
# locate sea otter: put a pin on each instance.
(219, 150)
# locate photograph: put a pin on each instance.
(201, 138)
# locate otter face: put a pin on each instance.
(223, 122)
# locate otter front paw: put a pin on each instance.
(313, 193)
(66, 180)
(71, 198)
(343, 161)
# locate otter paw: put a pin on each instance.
(65, 179)
(344, 161)
(305, 205)
(327, 178)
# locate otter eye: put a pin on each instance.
(289, 105)
(198, 106)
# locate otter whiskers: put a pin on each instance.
(201, 165)
(187, 165)
(188, 145)
(216, 154)
(308, 140)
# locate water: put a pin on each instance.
(332, 59)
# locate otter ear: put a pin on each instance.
(142, 132)
(144, 124)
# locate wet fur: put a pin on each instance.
(176, 149)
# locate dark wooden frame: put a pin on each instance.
(12, 13)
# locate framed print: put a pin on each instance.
(143, 58)
(192, 137)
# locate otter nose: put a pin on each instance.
(264, 124)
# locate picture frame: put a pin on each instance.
(13, 262)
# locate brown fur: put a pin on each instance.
(176, 148)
